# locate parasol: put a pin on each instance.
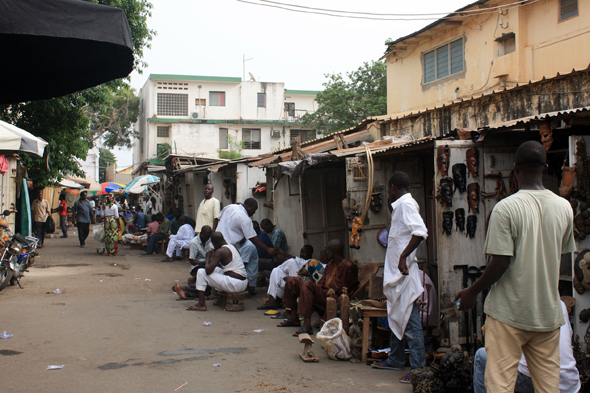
(139, 184)
(57, 47)
(14, 139)
(109, 187)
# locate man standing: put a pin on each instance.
(401, 278)
(41, 211)
(83, 215)
(62, 210)
(162, 234)
(236, 227)
(527, 234)
(208, 209)
(338, 273)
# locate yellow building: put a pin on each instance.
(486, 46)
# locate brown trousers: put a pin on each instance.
(308, 293)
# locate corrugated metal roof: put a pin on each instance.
(525, 120)
(380, 146)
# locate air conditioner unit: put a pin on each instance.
(275, 133)
(195, 115)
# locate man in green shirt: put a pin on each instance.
(162, 234)
(176, 224)
(528, 232)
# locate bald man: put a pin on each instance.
(208, 210)
(338, 273)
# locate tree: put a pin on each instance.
(105, 158)
(100, 115)
(235, 148)
(163, 150)
(347, 100)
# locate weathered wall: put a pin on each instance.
(571, 91)
(287, 213)
(544, 47)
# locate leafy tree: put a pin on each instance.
(347, 100)
(235, 148)
(105, 158)
(163, 150)
(76, 122)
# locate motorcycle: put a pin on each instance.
(18, 255)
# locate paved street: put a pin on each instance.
(117, 327)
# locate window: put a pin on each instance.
(200, 102)
(163, 132)
(217, 98)
(443, 61)
(172, 104)
(568, 9)
(251, 138)
(262, 100)
(506, 44)
(290, 108)
(223, 138)
(302, 135)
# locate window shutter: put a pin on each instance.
(442, 62)
(429, 67)
(567, 9)
(457, 56)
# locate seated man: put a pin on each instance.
(249, 256)
(569, 378)
(289, 268)
(338, 273)
(200, 246)
(180, 241)
(230, 277)
(277, 236)
(139, 218)
(162, 234)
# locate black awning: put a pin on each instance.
(52, 48)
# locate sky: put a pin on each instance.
(204, 37)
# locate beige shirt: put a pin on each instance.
(533, 227)
(207, 212)
(39, 210)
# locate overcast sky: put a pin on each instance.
(199, 37)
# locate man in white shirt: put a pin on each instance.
(401, 278)
(236, 226)
(200, 246)
(180, 241)
(208, 210)
(569, 377)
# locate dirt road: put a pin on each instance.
(116, 327)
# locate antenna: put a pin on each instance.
(244, 67)
(252, 77)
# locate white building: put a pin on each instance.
(90, 165)
(201, 115)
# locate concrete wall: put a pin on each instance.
(544, 47)
(90, 164)
(274, 100)
(287, 212)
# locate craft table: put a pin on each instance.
(368, 313)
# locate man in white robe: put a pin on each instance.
(289, 268)
(179, 241)
(401, 278)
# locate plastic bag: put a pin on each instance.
(335, 340)
(49, 225)
(98, 234)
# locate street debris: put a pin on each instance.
(6, 335)
(258, 330)
(207, 323)
(148, 279)
(184, 384)
(217, 365)
(55, 366)
(57, 291)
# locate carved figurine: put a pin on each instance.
(443, 159)
(546, 135)
(513, 182)
(376, 202)
(355, 230)
(567, 182)
(445, 192)
(460, 177)
(344, 308)
(356, 335)
(471, 226)
(460, 219)
(472, 156)
(500, 190)
(447, 223)
(307, 355)
(473, 197)
(331, 306)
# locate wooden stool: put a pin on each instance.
(231, 301)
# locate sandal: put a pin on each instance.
(288, 323)
(405, 379)
(280, 315)
(383, 365)
(303, 330)
(195, 308)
